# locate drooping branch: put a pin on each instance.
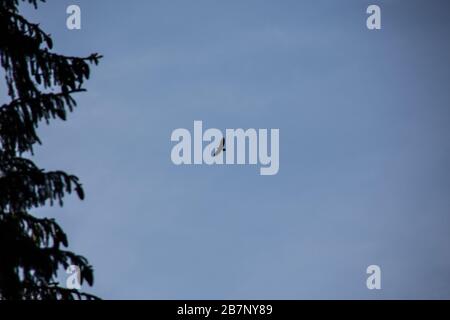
(15, 22)
(13, 4)
(38, 241)
(28, 63)
(53, 292)
(24, 186)
(20, 118)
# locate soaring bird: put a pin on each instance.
(220, 148)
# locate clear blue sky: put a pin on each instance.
(364, 163)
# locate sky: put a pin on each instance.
(364, 149)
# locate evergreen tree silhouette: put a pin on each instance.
(40, 84)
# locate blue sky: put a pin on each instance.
(364, 149)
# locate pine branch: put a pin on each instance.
(54, 292)
(93, 58)
(20, 118)
(33, 245)
(24, 186)
(12, 4)
(28, 28)
(25, 56)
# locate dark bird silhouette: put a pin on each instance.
(220, 148)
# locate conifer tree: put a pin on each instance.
(40, 85)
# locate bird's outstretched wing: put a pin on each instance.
(220, 148)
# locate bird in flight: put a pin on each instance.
(220, 148)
